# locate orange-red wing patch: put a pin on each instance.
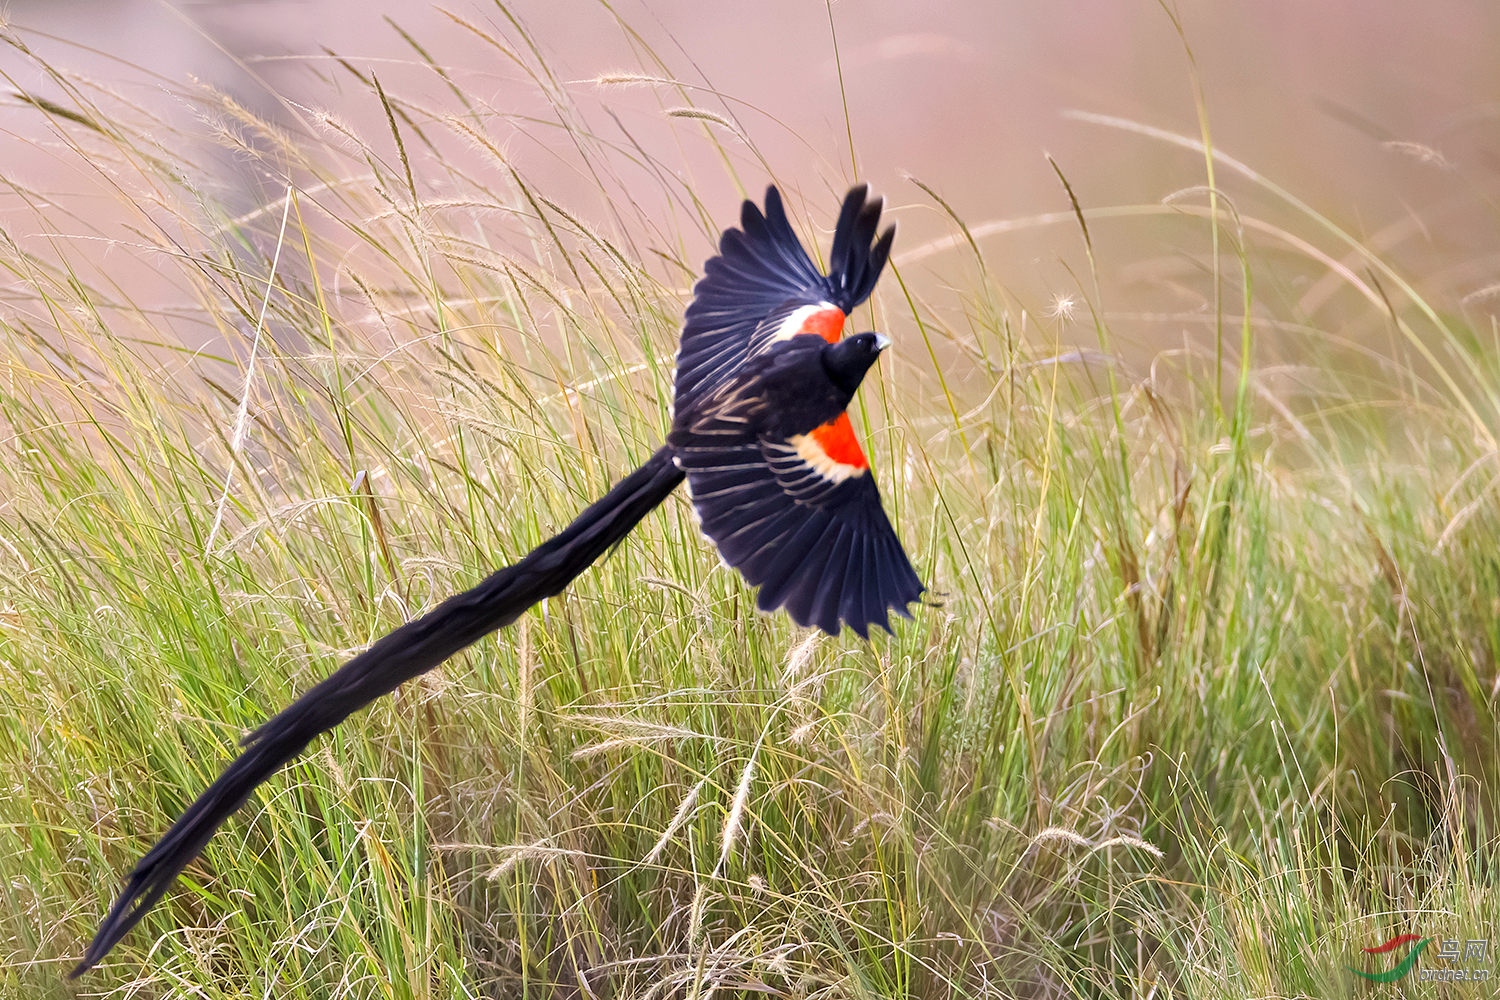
(826, 323)
(838, 442)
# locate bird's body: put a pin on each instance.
(761, 433)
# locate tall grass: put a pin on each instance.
(1206, 701)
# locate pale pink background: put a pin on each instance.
(1382, 114)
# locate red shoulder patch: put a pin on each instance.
(826, 323)
(837, 439)
(821, 319)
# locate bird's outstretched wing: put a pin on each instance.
(800, 517)
(762, 287)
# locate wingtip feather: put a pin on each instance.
(854, 265)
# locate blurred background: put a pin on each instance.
(1380, 115)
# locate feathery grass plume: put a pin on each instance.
(702, 115)
(630, 80)
(679, 818)
(734, 819)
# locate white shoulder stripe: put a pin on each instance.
(792, 325)
(813, 454)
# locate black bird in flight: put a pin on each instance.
(761, 433)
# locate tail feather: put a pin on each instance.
(412, 649)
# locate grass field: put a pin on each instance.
(1206, 702)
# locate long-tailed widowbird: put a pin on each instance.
(778, 479)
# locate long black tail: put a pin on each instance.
(412, 649)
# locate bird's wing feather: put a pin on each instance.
(801, 519)
(762, 287)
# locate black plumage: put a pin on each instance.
(811, 534)
(762, 275)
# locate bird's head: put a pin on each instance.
(849, 359)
